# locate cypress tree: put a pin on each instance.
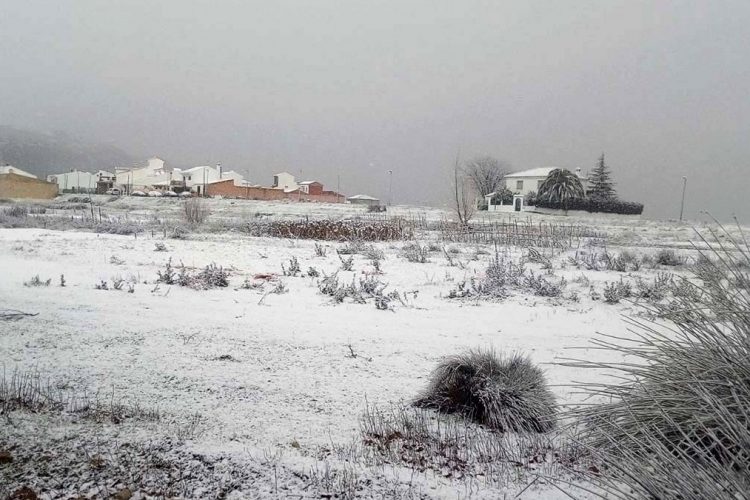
(600, 185)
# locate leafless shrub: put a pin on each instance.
(195, 211)
(320, 250)
(347, 264)
(616, 291)
(212, 276)
(502, 273)
(544, 287)
(373, 253)
(656, 289)
(668, 257)
(293, 269)
(62, 280)
(167, 276)
(414, 252)
(279, 288)
(160, 247)
(504, 393)
(37, 281)
(313, 272)
(352, 247)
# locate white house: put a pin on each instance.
(521, 184)
(285, 181)
(78, 181)
(8, 169)
(144, 178)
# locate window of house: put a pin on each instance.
(519, 185)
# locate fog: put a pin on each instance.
(349, 90)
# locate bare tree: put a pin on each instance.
(486, 174)
(464, 198)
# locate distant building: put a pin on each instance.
(311, 187)
(155, 174)
(521, 184)
(530, 180)
(15, 183)
(9, 169)
(284, 181)
(77, 181)
(363, 199)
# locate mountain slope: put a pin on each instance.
(43, 154)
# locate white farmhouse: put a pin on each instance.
(521, 184)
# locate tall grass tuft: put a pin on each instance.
(677, 424)
(504, 393)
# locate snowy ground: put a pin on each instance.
(254, 390)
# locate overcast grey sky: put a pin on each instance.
(357, 88)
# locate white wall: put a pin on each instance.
(529, 184)
(75, 181)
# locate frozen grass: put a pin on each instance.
(504, 393)
(677, 425)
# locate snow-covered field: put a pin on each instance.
(256, 391)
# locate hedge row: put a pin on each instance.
(603, 206)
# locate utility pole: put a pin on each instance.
(682, 203)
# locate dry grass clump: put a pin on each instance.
(196, 211)
(668, 257)
(212, 276)
(37, 281)
(504, 393)
(414, 252)
(677, 426)
(457, 449)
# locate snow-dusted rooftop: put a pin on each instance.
(535, 172)
(7, 169)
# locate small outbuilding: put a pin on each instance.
(363, 199)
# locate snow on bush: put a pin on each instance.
(504, 393)
(676, 425)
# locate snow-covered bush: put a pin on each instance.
(505, 393)
(414, 252)
(37, 281)
(616, 291)
(195, 211)
(668, 257)
(677, 424)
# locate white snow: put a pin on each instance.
(290, 378)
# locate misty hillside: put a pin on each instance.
(43, 154)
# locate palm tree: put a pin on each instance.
(561, 186)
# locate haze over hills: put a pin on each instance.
(49, 153)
